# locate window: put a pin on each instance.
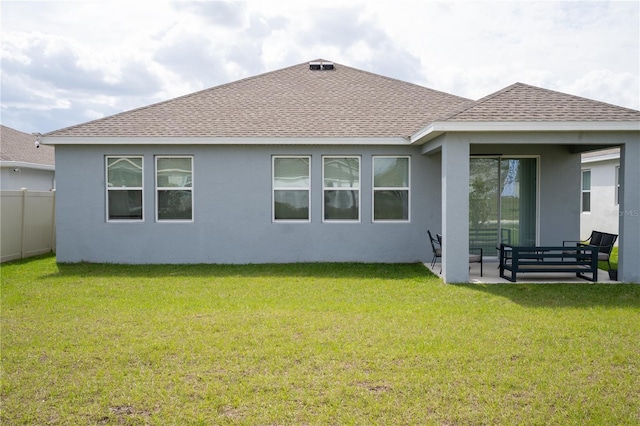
(617, 200)
(586, 191)
(174, 188)
(390, 188)
(341, 188)
(124, 188)
(291, 188)
(503, 202)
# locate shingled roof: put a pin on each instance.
(522, 102)
(340, 102)
(17, 146)
(296, 101)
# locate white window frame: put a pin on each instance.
(175, 188)
(327, 188)
(583, 191)
(293, 188)
(390, 188)
(127, 188)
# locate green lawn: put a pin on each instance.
(311, 344)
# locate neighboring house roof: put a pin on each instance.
(522, 102)
(292, 102)
(19, 147)
(601, 155)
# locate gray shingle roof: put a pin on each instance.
(522, 102)
(291, 102)
(343, 103)
(19, 146)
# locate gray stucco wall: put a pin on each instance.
(629, 242)
(232, 210)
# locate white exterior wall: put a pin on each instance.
(15, 176)
(604, 209)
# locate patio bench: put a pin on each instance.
(580, 259)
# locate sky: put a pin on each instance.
(65, 63)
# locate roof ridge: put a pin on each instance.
(185, 96)
(482, 100)
(470, 106)
(446, 98)
(392, 79)
(401, 81)
(576, 97)
(300, 101)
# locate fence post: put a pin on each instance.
(24, 223)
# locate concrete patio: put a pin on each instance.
(491, 275)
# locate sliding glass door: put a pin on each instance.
(502, 202)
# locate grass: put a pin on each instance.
(311, 344)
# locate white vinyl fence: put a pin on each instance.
(27, 223)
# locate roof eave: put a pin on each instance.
(437, 128)
(27, 165)
(190, 140)
(600, 158)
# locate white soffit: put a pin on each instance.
(437, 128)
(598, 158)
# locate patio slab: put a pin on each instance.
(491, 275)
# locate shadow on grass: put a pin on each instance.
(582, 295)
(317, 270)
(564, 295)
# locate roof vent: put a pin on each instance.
(321, 66)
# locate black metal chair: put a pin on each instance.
(603, 240)
(436, 246)
(476, 258)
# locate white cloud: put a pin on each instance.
(608, 86)
(78, 60)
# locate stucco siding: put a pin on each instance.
(629, 246)
(559, 196)
(232, 210)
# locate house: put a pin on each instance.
(321, 162)
(22, 164)
(599, 208)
